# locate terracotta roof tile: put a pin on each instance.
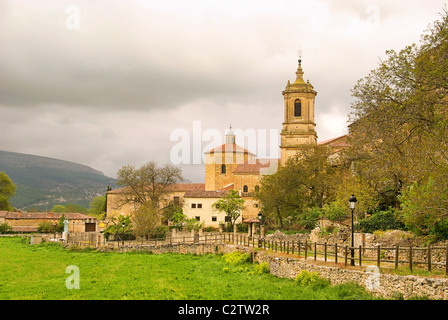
(174, 187)
(205, 194)
(46, 215)
(257, 166)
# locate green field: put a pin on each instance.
(38, 272)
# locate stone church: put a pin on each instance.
(231, 167)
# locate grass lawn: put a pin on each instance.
(38, 272)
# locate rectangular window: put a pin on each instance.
(214, 219)
(297, 108)
(199, 205)
(193, 205)
(176, 200)
(198, 218)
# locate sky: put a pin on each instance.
(108, 83)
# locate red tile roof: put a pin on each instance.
(43, 215)
(174, 187)
(257, 166)
(205, 194)
(336, 142)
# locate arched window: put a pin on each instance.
(223, 169)
(297, 108)
(245, 189)
(257, 188)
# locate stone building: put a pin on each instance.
(29, 221)
(231, 167)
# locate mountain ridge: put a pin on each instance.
(44, 181)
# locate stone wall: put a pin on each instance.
(179, 248)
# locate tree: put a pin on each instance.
(145, 220)
(231, 204)
(400, 118)
(424, 206)
(148, 184)
(7, 190)
(306, 181)
(98, 206)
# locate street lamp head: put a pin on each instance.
(352, 201)
(123, 224)
(260, 215)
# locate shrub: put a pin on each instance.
(5, 228)
(261, 268)
(384, 220)
(236, 258)
(45, 227)
(306, 278)
(160, 232)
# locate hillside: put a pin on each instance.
(42, 182)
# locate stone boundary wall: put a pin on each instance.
(179, 248)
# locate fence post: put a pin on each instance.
(336, 253)
(299, 244)
(325, 249)
(287, 247)
(315, 251)
(396, 255)
(360, 255)
(292, 247)
(410, 258)
(306, 249)
(429, 257)
(345, 254)
(378, 262)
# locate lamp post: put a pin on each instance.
(122, 239)
(352, 202)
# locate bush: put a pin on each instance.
(5, 228)
(309, 219)
(306, 278)
(236, 258)
(384, 220)
(45, 227)
(160, 232)
(261, 268)
(439, 231)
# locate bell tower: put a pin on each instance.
(298, 126)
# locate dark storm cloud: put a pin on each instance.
(117, 61)
(111, 92)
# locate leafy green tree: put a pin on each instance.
(97, 206)
(59, 208)
(231, 204)
(145, 220)
(424, 206)
(400, 120)
(306, 181)
(7, 190)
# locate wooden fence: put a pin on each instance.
(410, 257)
